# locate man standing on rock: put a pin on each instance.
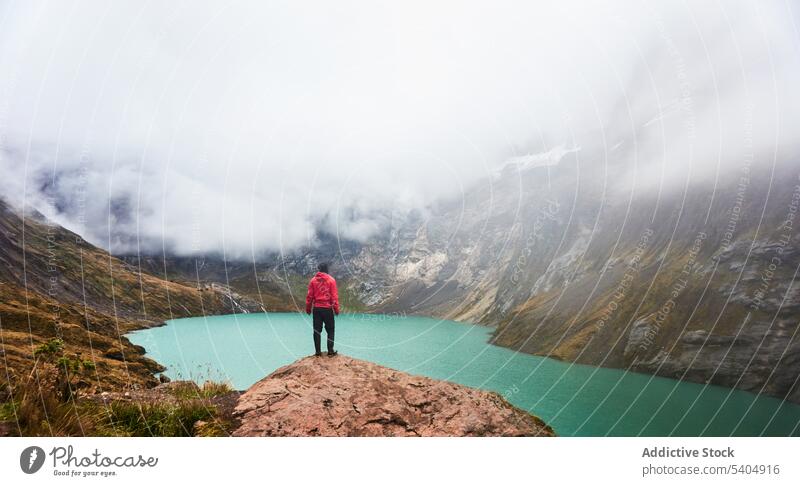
(323, 299)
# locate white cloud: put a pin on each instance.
(244, 126)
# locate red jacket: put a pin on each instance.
(322, 293)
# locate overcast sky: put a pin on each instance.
(208, 126)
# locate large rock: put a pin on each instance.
(343, 396)
(641, 331)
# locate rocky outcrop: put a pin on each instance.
(342, 396)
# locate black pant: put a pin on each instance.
(323, 315)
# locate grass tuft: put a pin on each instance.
(210, 389)
(155, 419)
(37, 409)
(39, 412)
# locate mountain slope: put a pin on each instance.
(55, 285)
(694, 281)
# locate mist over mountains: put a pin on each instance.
(244, 130)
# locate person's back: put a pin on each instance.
(323, 300)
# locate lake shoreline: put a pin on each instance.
(461, 353)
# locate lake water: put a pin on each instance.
(574, 399)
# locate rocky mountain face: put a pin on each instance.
(341, 396)
(694, 281)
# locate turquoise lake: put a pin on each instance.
(575, 400)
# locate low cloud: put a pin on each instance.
(248, 127)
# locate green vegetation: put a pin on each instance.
(349, 301)
(39, 409)
(155, 419)
(50, 348)
(71, 372)
(210, 389)
(7, 412)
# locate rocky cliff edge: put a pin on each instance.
(342, 396)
